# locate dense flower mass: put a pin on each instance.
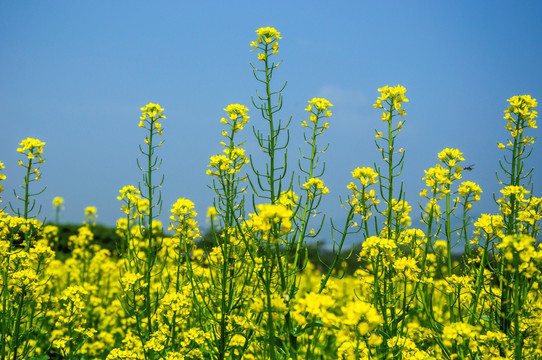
(258, 285)
(182, 219)
(270, 216)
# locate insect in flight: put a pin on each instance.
(468, 168)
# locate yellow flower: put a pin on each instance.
(267, 35)
(321, 104)
(182, 217)
(33, 148)
(58, 202)
(450, 156)
(468, 188)
(151, 114)
(269, 215)
(396, 96)
(366, 175)
(91, 213)
(313, 185)
(492, 225)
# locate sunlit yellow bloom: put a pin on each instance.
(58, 202)
(270, 215)
(91, 213)
(313, 185)
(492, 225)
(450, 156)
(32, 148)
(470, 188)
(150, 115)
(182, 219)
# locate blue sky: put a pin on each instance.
(74, 75)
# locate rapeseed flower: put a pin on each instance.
(150, 119)
(270, 215)
(394, 97)
(58, 203)
(267, 42)
(182, 219)
(366, 175)
(32, 148)
(492, 225)
(522, 107)
(315, 186)
(2, 177)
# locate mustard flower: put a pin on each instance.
(362, 200)
(211, 213)
(437, 176)
(520, 252)
(314, 186)
(2, 177)
(532, 212)
(82, 239)
(394, 97)
(182, 219)
(132, 281)
(270, 215)
(266, 35)
(267, 42)
(401, 211)
(521, 106)
(150, 115)
(322, 106)
(32, 148)
(470, 191)
(58, 203)
(492, 225)
(128, 192)
(375, 246)
(230, 163)
(470, 188)
(407, 268)
(409, 236)
(366, 175)
(450, 157)
(237, 115)
(512, 192)
(91, 213)
(460, 333)
(288, 199)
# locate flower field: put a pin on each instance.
(253, 294)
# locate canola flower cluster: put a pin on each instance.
(249, 295)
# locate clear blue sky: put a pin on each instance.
(74, 74)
